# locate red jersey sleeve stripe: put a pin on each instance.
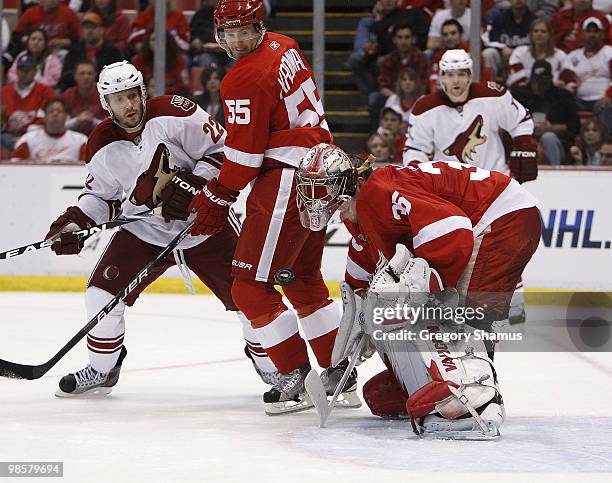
(440, 228)
(356, 271)
(242, 158)
(290, 155)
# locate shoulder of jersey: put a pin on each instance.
(177, 106)
(429, 102)
(486, 89)
(102, 135)
(379, 178)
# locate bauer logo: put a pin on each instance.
(239, 264)
(571, 229)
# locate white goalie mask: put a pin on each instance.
(325, 179)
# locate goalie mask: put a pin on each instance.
(325, 179)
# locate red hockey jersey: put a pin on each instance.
(272, 110)
(436, 209)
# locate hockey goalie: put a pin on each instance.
(416, 230)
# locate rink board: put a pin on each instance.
(574, 253)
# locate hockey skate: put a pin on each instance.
(331, 377)
(288, 395)
(482, 425)
(88, 382)
(270, 378)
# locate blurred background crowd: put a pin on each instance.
(553, 55)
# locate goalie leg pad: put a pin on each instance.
(385, 396)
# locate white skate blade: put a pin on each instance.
(463, 432)
(348, 400)
(92, 393)
(287, 407)
(316, 392)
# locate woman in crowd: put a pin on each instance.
(541, 47)
(593, 135)
(116, 23)
(49, 67)
(176, 69)
(210, 99)
(409, 87)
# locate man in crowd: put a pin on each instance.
(554, 112)
(586, 71)
(83, 100)
(52, 143)
(92, 47)
(22, 101)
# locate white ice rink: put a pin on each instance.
(187, 409)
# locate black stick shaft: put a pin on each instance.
(120, 220)
(23, 371)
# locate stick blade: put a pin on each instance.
(316, 391)
(20, 371)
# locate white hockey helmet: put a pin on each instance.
(455, 59)
(117, 77)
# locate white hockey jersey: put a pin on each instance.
(469, 133)
(39, 146)
(590, 75)
(115, 160)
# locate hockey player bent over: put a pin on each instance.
(471, 122)
(471, 229)
(274, 116)
(149, 152)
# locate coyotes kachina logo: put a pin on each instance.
(465, 144)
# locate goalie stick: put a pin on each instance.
(23, 371)
(87, 232)
(316, 391)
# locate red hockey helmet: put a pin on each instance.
(238, 13)
(233, 14)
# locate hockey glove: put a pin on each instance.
(212, 204)
(177, 195)
(68, 243)
(524, 159)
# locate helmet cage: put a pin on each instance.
(318, 199)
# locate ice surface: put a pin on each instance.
(187, 408)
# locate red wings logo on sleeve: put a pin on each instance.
(465, 144)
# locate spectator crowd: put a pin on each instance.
(553, 55)
(54, 53)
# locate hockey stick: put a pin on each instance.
(22, 371)
(316, 391)
(120, 220)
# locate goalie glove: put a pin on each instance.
(67, 242)
(523, 161)
(212, 204)
(178, 194)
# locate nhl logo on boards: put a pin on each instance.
(274, 45)
(284, 277)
